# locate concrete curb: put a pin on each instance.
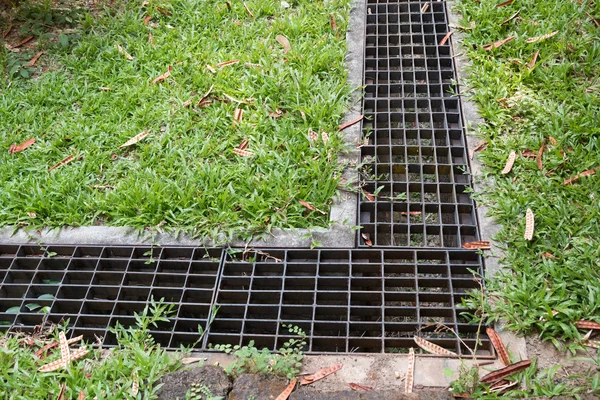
(343, 210)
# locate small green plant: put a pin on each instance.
(248, 359)
(197, 391)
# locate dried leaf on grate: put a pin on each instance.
(478, 245)
(163, 76)
(288, 390)
(502, 373)
(135, 139)
(432, 348)
(410, 371)
(367, 239)
(307, 380)
(20, 147)
(424, 8)
(509, 163)
(529, 224)
(445, 38)
(368, 195)
(62, 162)
(360, 388)
(284, 42)
(498, 345)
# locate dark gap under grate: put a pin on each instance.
(416, 157)
(347, 301)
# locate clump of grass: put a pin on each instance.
(107, 374)
(184, 174)
(552, 281)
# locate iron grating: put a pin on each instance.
(347, 301)
(415, 154)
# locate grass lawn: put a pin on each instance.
(92, 90)
(551, 103)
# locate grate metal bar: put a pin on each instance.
(415, 158)
(358, 301)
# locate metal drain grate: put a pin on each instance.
(361, 300)
(416, 156)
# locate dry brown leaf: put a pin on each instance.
(238, 114)
(62, 162)
(312, 135)
(531, 63)
(424, 8)
(498, 345)
(480, 147)
(135, 139)
(61, 394)
(350, 123)
(7, 31)
(288, 390)
(506, 21)
(187, 103)
(540, 153)
(367, 239)
(310, 206)
(539, 38)
(333, 24)
(500, 374)
(231, 98)
(306, 380)
(596, 22)
(163, 76)
(81, 396)
(580, 175)
(252, 65)
(243, 145)
(31, 214)
(22, 42)
(432, 348)
(324, 137)
(34, 60)
(105, 89)
(18, 148)
(191, 360)
(509, 163)
(135, 386)
(502, 386)
(588, 325)
(122, 51)
(478, 245)
(65, 354)
(410, 213)
(410, 371)
(360, 388)
(368, 195)
(497, 44)
(147, 19)
(549, 255)
(151, 39)
(284, 42)
(592, 344)
(276, 114)
(529, 154)
(53, 366)
(248, 10)
(243, 153)
(445, 38)
(529, 224)
(163, 11)
(227, 63)
(506, 3)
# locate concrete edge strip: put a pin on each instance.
(343, 210)
(488, 228)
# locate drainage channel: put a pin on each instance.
(409, 279)
(347, 301)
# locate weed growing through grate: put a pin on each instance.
(548, 102)
(184, 174)
(248, 359)
(102, 373)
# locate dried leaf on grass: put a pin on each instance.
(61, 394)
(307, 380)
(498, 345)
(531, 63)
(252, 65)
(529, 154)
(506, 21)
(324, 137)
(509, 163)
(360, 388)
(248, 10)
(497, 44)
(592, 344)
(529, 224)
(502, 386)
(480, 147)
(238, 114)
(163, 76)
(124, 52)
(311, 207)
(7, 31)
(333, 24)
(34, 60)
(410, 371)
(504, 372)
(587, 325)
(135, 139)
(432, 348)
(227, 63)
(135, 386)
(81, 396)
(242, 153)
(22, 42)
(163, 11)
(20, 147)
(288, 390)
(62, 162)
(540, 153)
(478, 245)
(65, 354)
(284, 42)
(445, 38)
(312, 135)
(367, 239)
(539, 38)
(350, 123)
(506, 3)
(147, 19)
(580, 175)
